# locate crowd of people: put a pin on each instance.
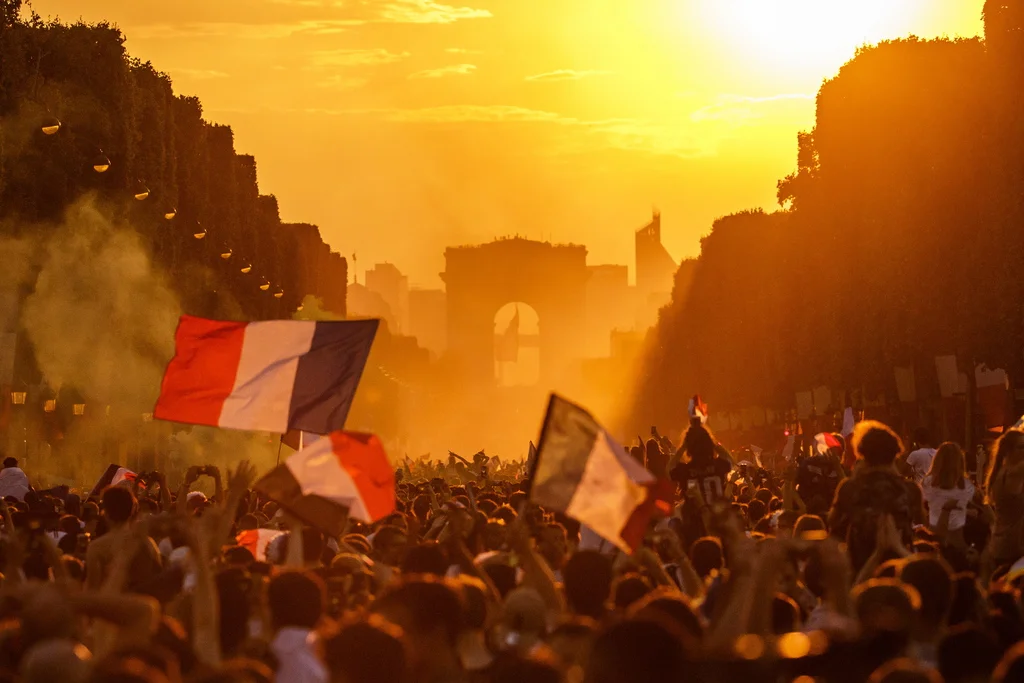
(904, 567)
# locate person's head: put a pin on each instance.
(628, 589)
(56, 660)
(699, 444)
(923, 438)
(296, 599)
(366, 652)
(10, 462)
(430, 614)
(118, 505)
(1007, 450)
(553, 545)
(523, 620)
(876, 444)
(587, 577)
(664, 603)
(934, 583)
(706, 556)
(947, 470)
(905, 671)
(984, 651)
(886, 606)
(389, 544)
(635, 650)
(426, 558)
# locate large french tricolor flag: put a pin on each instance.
(343, 474)
(581, 471)
(268, 376)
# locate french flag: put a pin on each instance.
(114, 475)
(268, 376)
(825, 441)
(256, 541)
(344, 474)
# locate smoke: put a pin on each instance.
(100, 318)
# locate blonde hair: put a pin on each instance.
(947, 470)
(1001, 449)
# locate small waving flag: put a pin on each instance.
(268, 376)
(825, 441)
(257, 540)
(114, 475)
(343, 474)
(698, 409)
(581, 471)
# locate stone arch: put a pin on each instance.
(479, 280)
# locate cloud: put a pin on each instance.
(565, 75)
(369, 57)
(462, 51)
(453, 70)
(198, 74)
(428, 12)
(738, 108)
(238, 30)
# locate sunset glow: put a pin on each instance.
(553, 120)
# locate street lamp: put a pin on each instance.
(141, 191)
(200, 233)
(18, 397)
(278, 294)
(246, 268)
(50, 405)
(170, 213)
(101, 164)
(265, 286)
(51, 125)
(226, 254)
(79, 409)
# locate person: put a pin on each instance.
(119, 507)
(706, 468)
(919, 461)
(875, 490)
(1006, 494)
(13, 481)
(947, 487)
(818, 477)
(296, 600)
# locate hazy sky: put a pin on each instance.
(404, 126)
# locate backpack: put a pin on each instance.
(877, 493)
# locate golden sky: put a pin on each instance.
(404, 126)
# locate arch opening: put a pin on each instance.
(517, 345)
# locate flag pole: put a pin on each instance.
(280, 443)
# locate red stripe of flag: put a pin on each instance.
(202, 373)
(363, 457)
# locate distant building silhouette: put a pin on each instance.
(428, 318)
(365, 303)
(385, 279)
(655, 272)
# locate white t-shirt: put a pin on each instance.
(920, 461)
(936, 498)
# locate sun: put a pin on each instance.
(805, 34)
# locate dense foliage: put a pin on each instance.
(899, 239)
(111, 105)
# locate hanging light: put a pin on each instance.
(247, 267)
(278, 294)
(18, 397)
(141, 191)
(200, 232)
(226, 254)
(101, 164)
(50, 405)
(299, 308)
(170, 213)
(265, 286)
(51, 124)
(79, 409)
